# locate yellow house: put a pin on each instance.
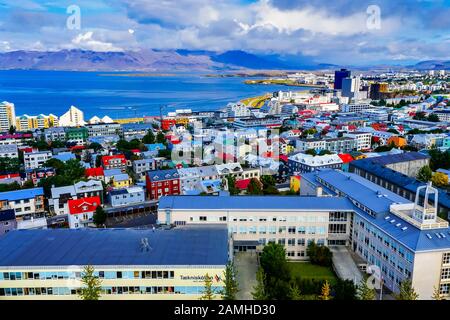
(120, 181)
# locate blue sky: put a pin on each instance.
(336, 31)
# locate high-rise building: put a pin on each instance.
(339, 75)
(350, 87)
(376, 89)
(72, 118)
(7, 115)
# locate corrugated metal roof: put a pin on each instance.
(21, 194)
(255, 203)
(103, 247)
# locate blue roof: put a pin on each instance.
(155, 146)
(255, 203)
(396, 158)
(112, 172)
(367, 193)
(199, 245)
(397, 178)
(21, 194)
(160, 175)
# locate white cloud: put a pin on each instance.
(87, 42)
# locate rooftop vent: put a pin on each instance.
(429, 236)
(387, 218)
(398, 224)
(404, 228)
(443, 235)
(438, 235)
(392, 221)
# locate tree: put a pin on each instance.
(294, 292)
(311, 152)
(12, 130)
(254, 187)
(231, 286)
(208, 291)
(232, 189)
(407, 291)
(149, 138)
(268, 180)
(95, 146)
(160, 138)
(259, 291)
(271, 190)
(320, 255)
(424, 174)
(324, 152)
(277, 272)
(325, 292)
(56, 164)
(344, 290)
(440, 179)
(364, 292)
(91, 284)
(436, 294)
(99, 216)
(433, 117)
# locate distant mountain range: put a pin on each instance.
(172, 60)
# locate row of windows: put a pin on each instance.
(280, 230)
(292, 241)
(299, 218)
(104, 291)
(77, 275)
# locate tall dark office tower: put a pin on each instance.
(339, 75)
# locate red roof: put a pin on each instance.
(83, 205)
(136, 151)
(74, 148)
(345, 157)
(283, 158)
(106, 159)
(9, 176)
(94, 172)
(242, 184)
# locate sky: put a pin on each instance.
(324, 31)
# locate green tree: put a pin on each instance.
(424, 174)
(276, 269)
(324, 152)
(149, 138)
(407, 291)
(231, 286)
(272, 190)
(232, 189)
(99, 216)
(433, 117)
(311, 152)
(58, 144)
(259, 291)
(208, 291)
(364, 292)
(95, 146)
(267, 181)
(56, 164)
(344, 290)
(294, 292)
(254, 187)
(320, 255)
(91, 284)
(160, 138)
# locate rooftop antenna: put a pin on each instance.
(145, 245)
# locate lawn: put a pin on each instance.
(306, 270)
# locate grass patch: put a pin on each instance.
(306, 270)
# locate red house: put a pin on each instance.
(166, 124)
(162, 183)
(117, 161)
(81, 211)
(95, 173)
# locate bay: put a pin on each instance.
(100, 93)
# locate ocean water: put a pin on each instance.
(35, 92)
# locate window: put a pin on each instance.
(446, 258)
(445, 274)
(202, 218)
(301, 242)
